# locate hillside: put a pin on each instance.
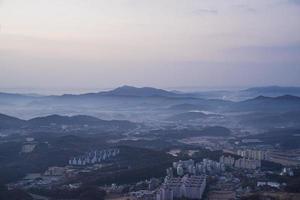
(263, 103)
(7, 122)
(184, 106)
(275, 90)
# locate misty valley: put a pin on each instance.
(148, 143)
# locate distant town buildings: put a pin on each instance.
(253, 154)
(170, 172)
(268, 183)
(27, 148)
(287, 172)
(189, 180)
(55, 171)
(227, 160)
(143, 195)
(210, 166)
(241, 163)
(29, 145)
(94, 157)
(190, 187)
(190, 167)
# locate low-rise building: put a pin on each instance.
(55, 171)
(268, 183)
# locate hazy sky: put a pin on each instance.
(162, 43)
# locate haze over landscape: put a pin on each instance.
(170, 43)
(149, 100)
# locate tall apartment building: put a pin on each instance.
(191, 187)
(242, 163)
(253, 154)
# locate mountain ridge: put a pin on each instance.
(282, 97)
(127, 90)
(9, 122)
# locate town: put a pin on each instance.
(230, 176)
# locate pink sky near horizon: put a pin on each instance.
(160, 43)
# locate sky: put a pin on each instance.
(94, 44)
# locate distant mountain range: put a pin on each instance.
(154, 92)
(274, 90)
(263, 103)
(8, 122)
(130, 91)
(128, 98)
(239, 95)
(278, 98)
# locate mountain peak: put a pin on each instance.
(135, 91)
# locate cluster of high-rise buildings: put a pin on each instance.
(244, 163)
(189, 181)
(253, 154)
(190, 187)
(190, 167)
(182, 167)
(94, 157)
(227, 160)
(286, 171)
(241, 163)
